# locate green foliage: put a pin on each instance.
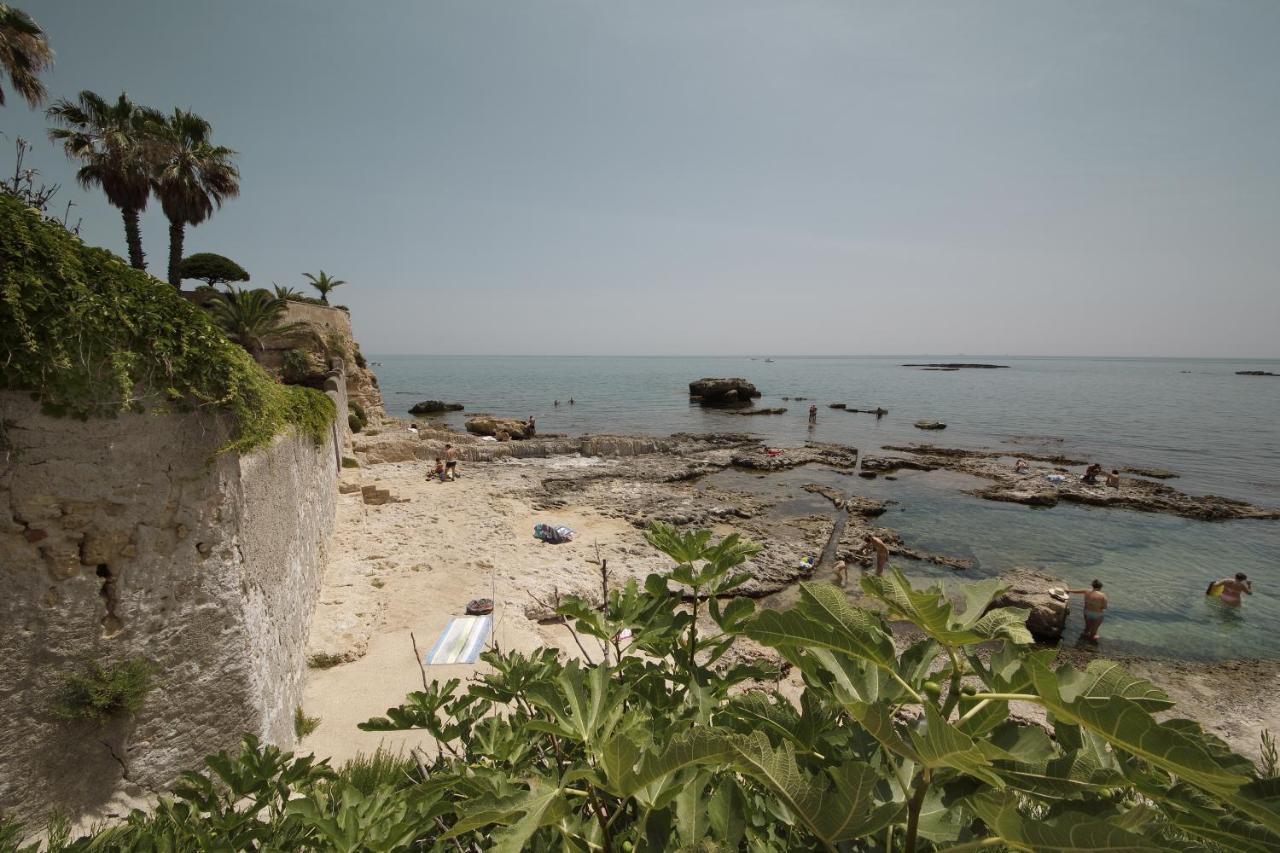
(356, 417)
(303, 724)
(24, 54)
(368, 773)
(324, 660)
(324, 283)
(650, 743)
(349, 462)
(90, 337)
(252, 318)
(296, 365)
(98, 692)
(1269, 767)
(212, 269)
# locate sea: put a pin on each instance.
(1220, 432)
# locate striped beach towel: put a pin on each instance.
(462, 641)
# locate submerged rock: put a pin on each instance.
(930, 425)
(776, 411)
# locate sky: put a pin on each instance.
(701, 178)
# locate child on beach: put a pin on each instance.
(439, 472)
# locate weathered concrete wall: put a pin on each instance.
(130, 538)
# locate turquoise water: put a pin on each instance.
(1195, 417)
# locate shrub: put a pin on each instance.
(324, 660)
(368, 773)
(303, 725)
(652, 743)
(296, 366)
(354, 422)
(349, 462)
(100, 692)
(360, 359)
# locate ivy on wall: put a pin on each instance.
(89, 336)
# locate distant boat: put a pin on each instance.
(375, 364)
(768, 361)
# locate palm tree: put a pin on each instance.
(24, 53)
(283, 292)
(191, 176)
(251, 318)
(113, 143)
(323, 283)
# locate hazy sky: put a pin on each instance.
(725, 177)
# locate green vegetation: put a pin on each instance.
(383, 769)
(100, 692)
(303, 724)
(296, 366)
(323, 283)
(113, 143)
(651, 743)
(324, 660)
(89, 336)
(283, 292)
(24, 54)
(212, 269)
(191, 176)
(349, 462)
(357, 419)
(251, 318)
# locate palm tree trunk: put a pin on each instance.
(175, 253)
(133, 237)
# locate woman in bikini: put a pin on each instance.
(1233, 587)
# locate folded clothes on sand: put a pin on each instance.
(553, 534)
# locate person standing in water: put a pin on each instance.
(876, 544)
(842, 572)
(813, 415)
(1095, 602)
(1232, 588)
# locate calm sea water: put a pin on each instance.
(1220, 431)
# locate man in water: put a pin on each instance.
(842, 572)
(813, 415)
(876, 544)
(530, 428)
(1233, 587)
(1095, 602)
(450, 462)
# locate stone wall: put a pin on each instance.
(128, 538)
(329, 331)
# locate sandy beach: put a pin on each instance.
(407, 566)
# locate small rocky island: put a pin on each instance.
(959, 365)
(722, 392)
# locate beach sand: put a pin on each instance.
(409, 566)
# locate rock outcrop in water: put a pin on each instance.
(489, 425)
(431, 407)
(1256, 373)
(722, 392)
(1033, 487)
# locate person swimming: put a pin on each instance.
(1232, 588)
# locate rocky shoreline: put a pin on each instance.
(437, 545)
(1033, 487)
